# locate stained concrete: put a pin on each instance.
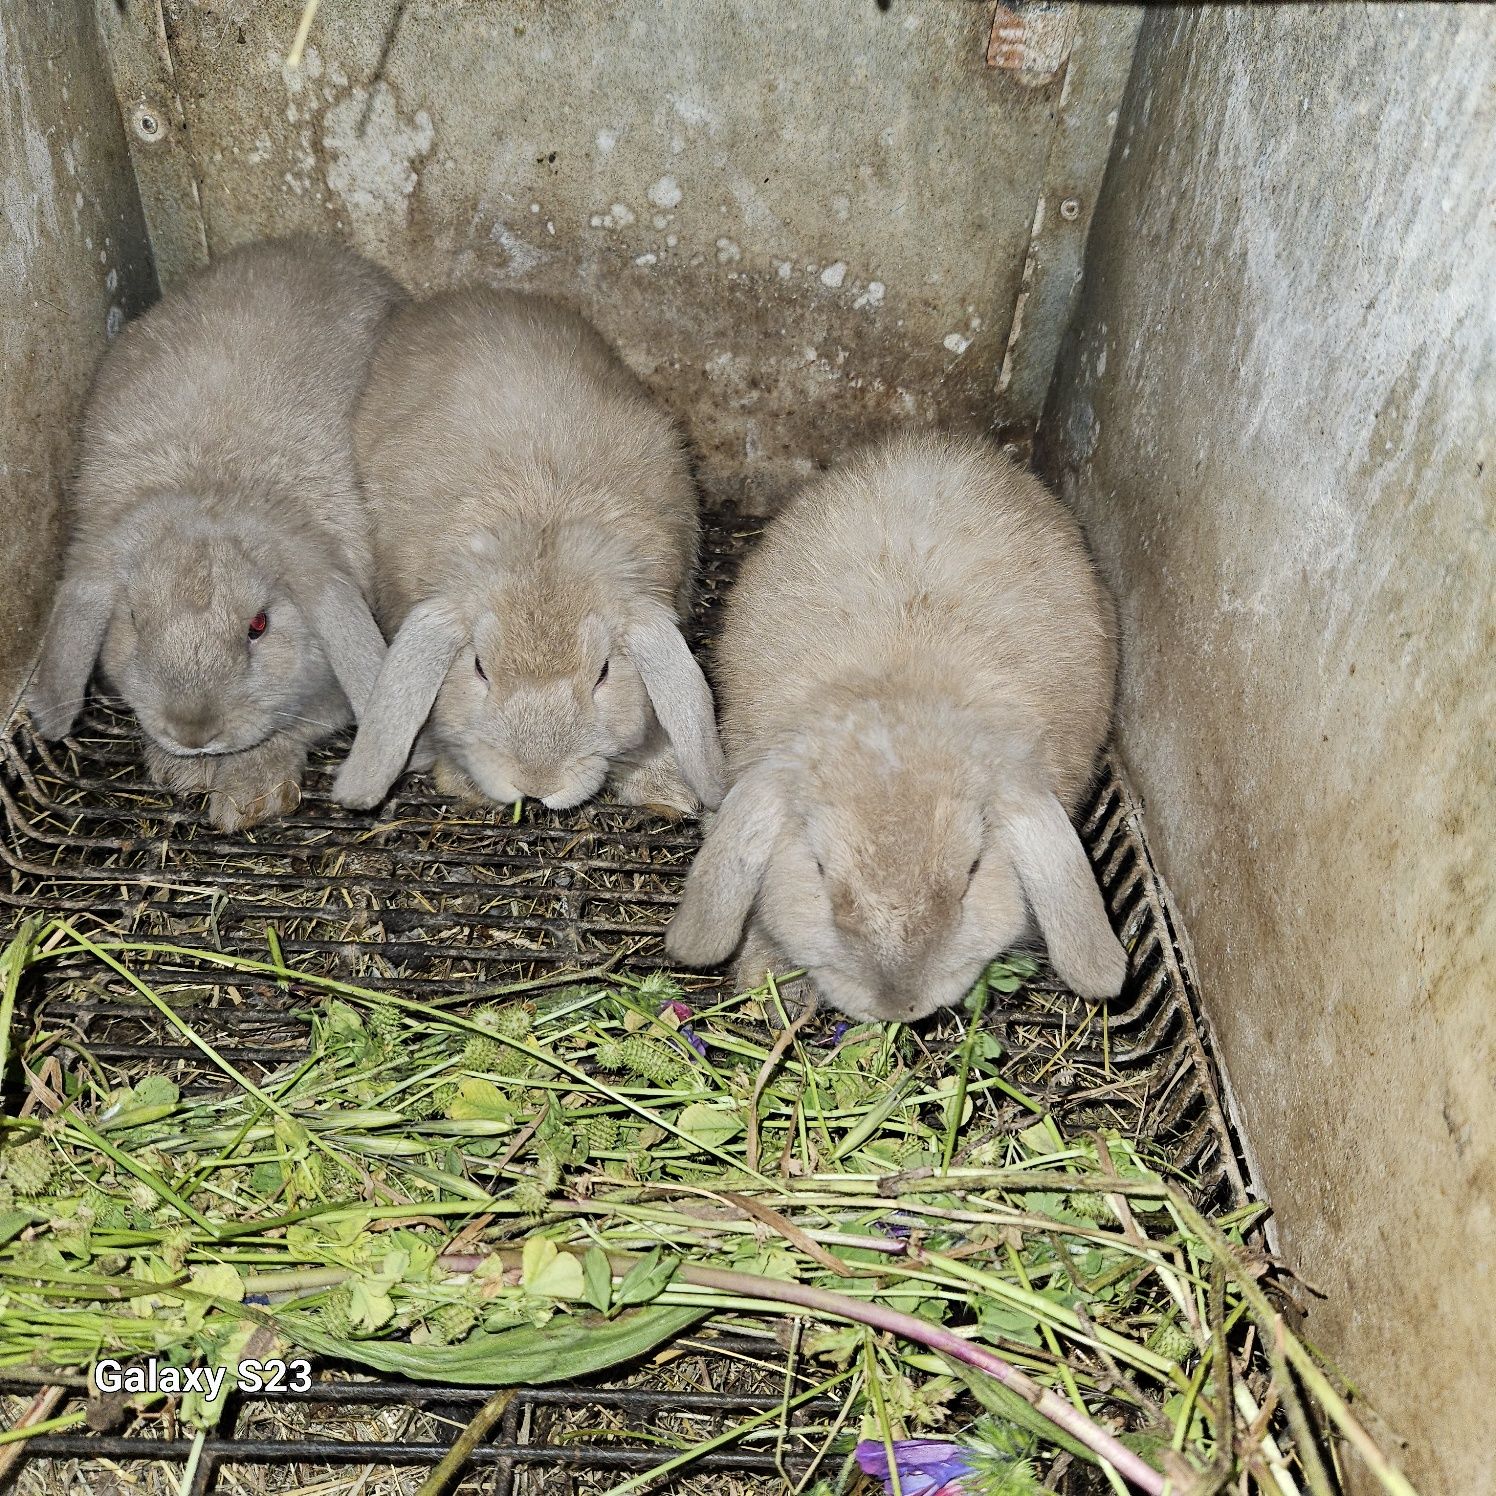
(800, 222)
(1275, 414)
(73, 266)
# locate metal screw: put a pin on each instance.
(148, 123)
(1070, 210)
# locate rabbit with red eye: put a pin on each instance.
(916, 674)
(537, 532)
(219, 561)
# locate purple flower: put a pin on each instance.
(681, 1013)
(837, 1034)
(927, 1467)
(898, 1225)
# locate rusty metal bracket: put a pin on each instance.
(1031, 39)
(134, 39)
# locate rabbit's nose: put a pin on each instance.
(534, 784)
(194, 728)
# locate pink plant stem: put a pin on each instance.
(825, 1301)
(1053, 1407)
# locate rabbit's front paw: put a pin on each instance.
(454, 784)
(240, 806)
(656, 784)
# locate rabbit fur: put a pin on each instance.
(537, 534)
(916, 674)
(216, 483)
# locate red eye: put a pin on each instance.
(258, 624)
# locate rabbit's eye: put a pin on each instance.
(258, 624)
(971, 872)
(602, 675)
(820, 867)
(478, 666)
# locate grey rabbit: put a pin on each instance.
(537, 531)
(916, 675)
(219, 564)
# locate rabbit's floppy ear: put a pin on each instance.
(681, 698)
(75, 633)
(354, 645)
(413, 670)
(724, 880)
(1061, 890)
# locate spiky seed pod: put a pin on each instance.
(660, 987)
(452, 1322)
(482, 1053)
(600, 1134)
(443, 1097)
(548, 1171)
(28, 1169)
(642, 1057)
(512, 1020)
(335, 1313)
(1170, 1338)
(110, 1212)
(387, 1029)
(1090, 1205)
(422, 1108)
(531, 1199)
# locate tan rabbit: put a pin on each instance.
(916, 675)
(537, 532)
(219, 558)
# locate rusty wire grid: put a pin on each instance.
(446, 902)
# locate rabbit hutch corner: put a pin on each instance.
(1223, 274)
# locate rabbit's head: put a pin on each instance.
(543, 677)
(892, 858)
(214, 639)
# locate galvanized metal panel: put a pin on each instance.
(73, 265)
(800, 222)
(1277, 415)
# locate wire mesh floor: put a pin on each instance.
(440, 899)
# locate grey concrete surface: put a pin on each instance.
(1275, 414)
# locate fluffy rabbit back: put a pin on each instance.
(216, 498)
(536, 517)
(491, 408)
(916, 675)
(240, 387)
(933, 557)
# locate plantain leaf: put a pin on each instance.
(565, 1347)
(14, 1222)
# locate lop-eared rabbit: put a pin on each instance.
(537, 531)
(219, 562)
(916, 674)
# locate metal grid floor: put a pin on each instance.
(446, 900)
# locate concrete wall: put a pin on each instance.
(1275, 413)
(800, 222)
(73, 266)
